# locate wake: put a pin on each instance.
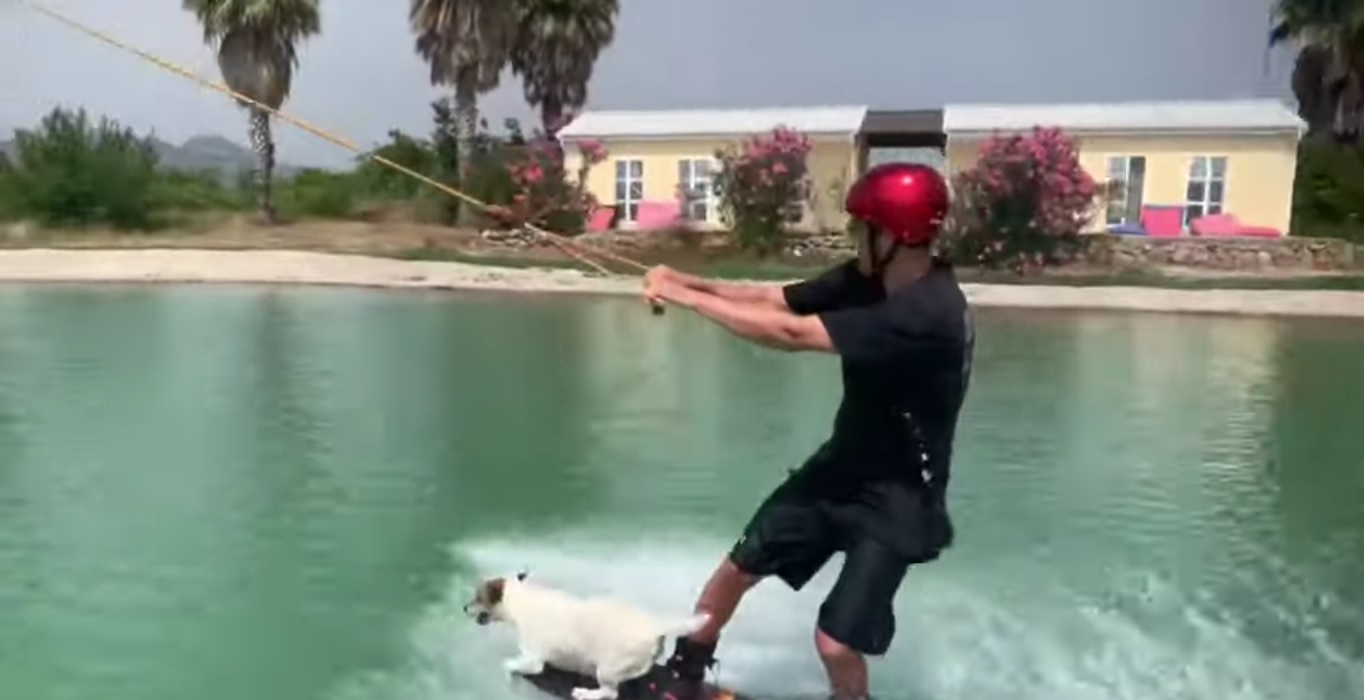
(959, 635)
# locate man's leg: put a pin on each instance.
(857, 619)
(720, 598)
(789, 537)
(685, 670)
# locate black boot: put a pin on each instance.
(683, 675)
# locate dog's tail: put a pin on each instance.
(686, 626)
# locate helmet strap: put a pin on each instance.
(879, 263)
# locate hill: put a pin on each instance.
(197, 154)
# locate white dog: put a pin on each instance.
(596, 637)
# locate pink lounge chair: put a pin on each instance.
(656, 215)
(1214, 225)
(1223, 225)
(601, 219)
(1162, 220)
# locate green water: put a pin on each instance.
(230, 494)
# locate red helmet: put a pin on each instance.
(906, 200)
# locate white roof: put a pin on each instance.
(1194, 115)
(666, 123)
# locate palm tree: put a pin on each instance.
(1330, 64)
(557, 45)
(257, 42)
(465, 42)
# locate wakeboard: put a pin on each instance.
(560, 684)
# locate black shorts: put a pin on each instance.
(881, 527)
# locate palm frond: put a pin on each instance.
(557, 46)
(1280, 33)
(463, 39)
(284, 21)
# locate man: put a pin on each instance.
(875, 490)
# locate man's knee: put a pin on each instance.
(834, 652)
(846, 668)
(733, 571)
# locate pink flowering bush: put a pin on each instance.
(526, 182)
(763, 184)
(1023, 205)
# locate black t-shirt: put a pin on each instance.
(906, 364)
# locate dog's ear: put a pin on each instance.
(492, 592)
(521, 576)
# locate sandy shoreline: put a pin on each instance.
(289, 267)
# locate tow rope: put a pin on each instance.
(565, 243)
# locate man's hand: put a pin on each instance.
(654, 280)
(671, 290)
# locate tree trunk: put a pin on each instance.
(466, 126)
(552, 117)
(552, 120)
(264, 146)
(1353, 98)
(1346, 121)
(1311, 87)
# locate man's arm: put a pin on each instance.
(823, 292)
(765, 294)
(763, 324)
(867, 334)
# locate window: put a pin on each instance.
(694, 183)
(1127, 175)
(1207, 187)
(629, 188)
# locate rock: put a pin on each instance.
(1098, 251)
(1227, 254)
(516, 238)
(17, 232)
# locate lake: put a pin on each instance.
(287, 494)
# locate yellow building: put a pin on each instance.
(1235, 157)
(652, 155)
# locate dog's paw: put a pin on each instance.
(593, 694)
(523, 666)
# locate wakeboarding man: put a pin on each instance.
(875, 490)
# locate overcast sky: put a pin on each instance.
(360, 77)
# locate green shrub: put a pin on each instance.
(485, 173)
(179, 190)
(382, 182)
(318, 193)
(433, 204)
(72, 172)
(1328, 195)
(9, 205)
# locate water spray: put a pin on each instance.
(564, 243)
